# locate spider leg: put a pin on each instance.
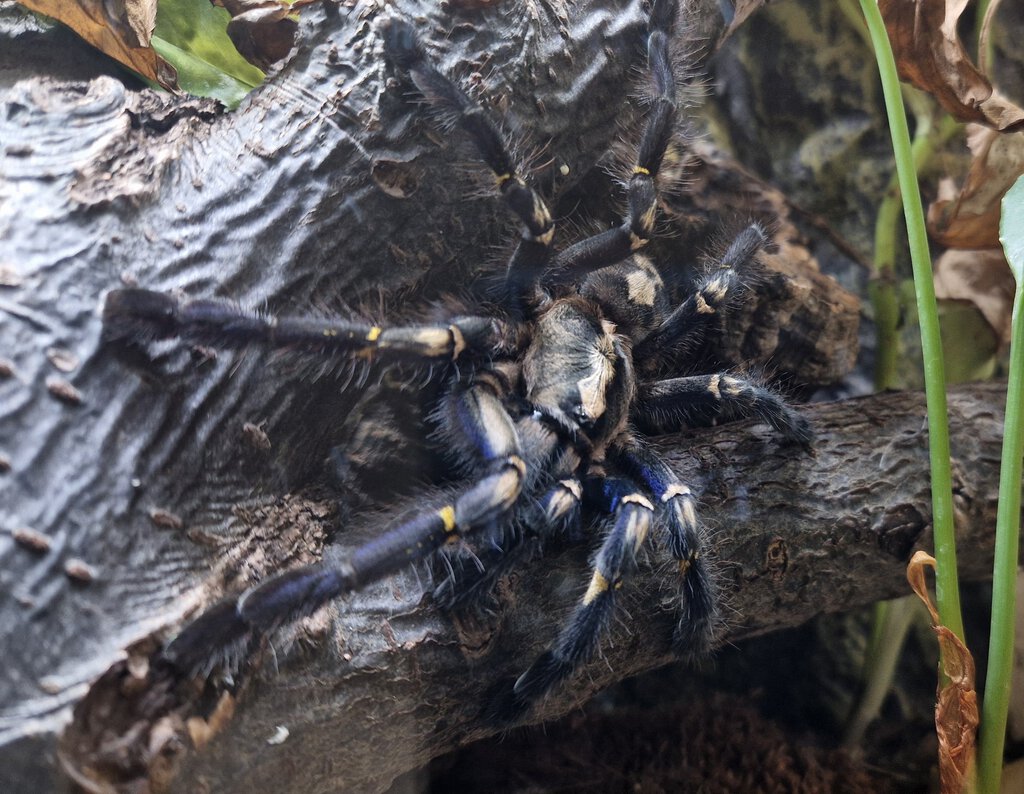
(556, 512)
(561, 505)
(632, 517)
(686, 326)
(456, 108)
(637, 228)
(676, 514)
(141, 316)
(487, 432)
(666, 405)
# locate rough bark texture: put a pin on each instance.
(119, 494)
(383, 682)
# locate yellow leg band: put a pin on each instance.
(447, 514)
(598, 584)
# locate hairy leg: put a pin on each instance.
(676, 516)
(666, 405)
(632, 515)
(142, 316)
(486, 431)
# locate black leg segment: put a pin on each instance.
(637, 228)
(456, 108)
(302, 591)
(632, 517)
(677, 517)
(666, 405)
(139, 315)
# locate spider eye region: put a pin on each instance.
(571, 366)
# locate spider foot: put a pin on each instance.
(215, 638)
(139, 315)
(694, 634)
(509, 700)
(222, 634)
(502, 707)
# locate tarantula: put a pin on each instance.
(539, 400)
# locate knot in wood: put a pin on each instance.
(898, 529)
(776, 558)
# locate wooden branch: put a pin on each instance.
(382, 682)
(119, 494)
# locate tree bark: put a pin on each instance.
(131, 501)
(382, 682)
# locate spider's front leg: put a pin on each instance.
(632, 514)
(456, 108)
(677, 517)
(483, 432)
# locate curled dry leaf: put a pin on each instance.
(970, 218)
(967, 222)
(741, 10)
(121, 29)
(263, 31)
(956, 707)
(981, 277)
(930, 55)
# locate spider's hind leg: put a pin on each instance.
(457, 108)
(486, 432)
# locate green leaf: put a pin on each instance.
(1011, 229)
(192, 35)
(970, 347)
(198, 77)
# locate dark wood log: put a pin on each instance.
(119, 494)
(382, 682)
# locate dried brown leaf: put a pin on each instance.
(981, 277)
(970, 218)
(263, 31)
(930, 55)
(140, 16)
(956, 707)
(986, 28)
(121, 29)
(741, 10)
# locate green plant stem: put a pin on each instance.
(885, 300)
(947, 593)
(892, 620)
(996, 702)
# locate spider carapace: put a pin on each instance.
(542, 403)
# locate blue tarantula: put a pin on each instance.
(542, 399)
